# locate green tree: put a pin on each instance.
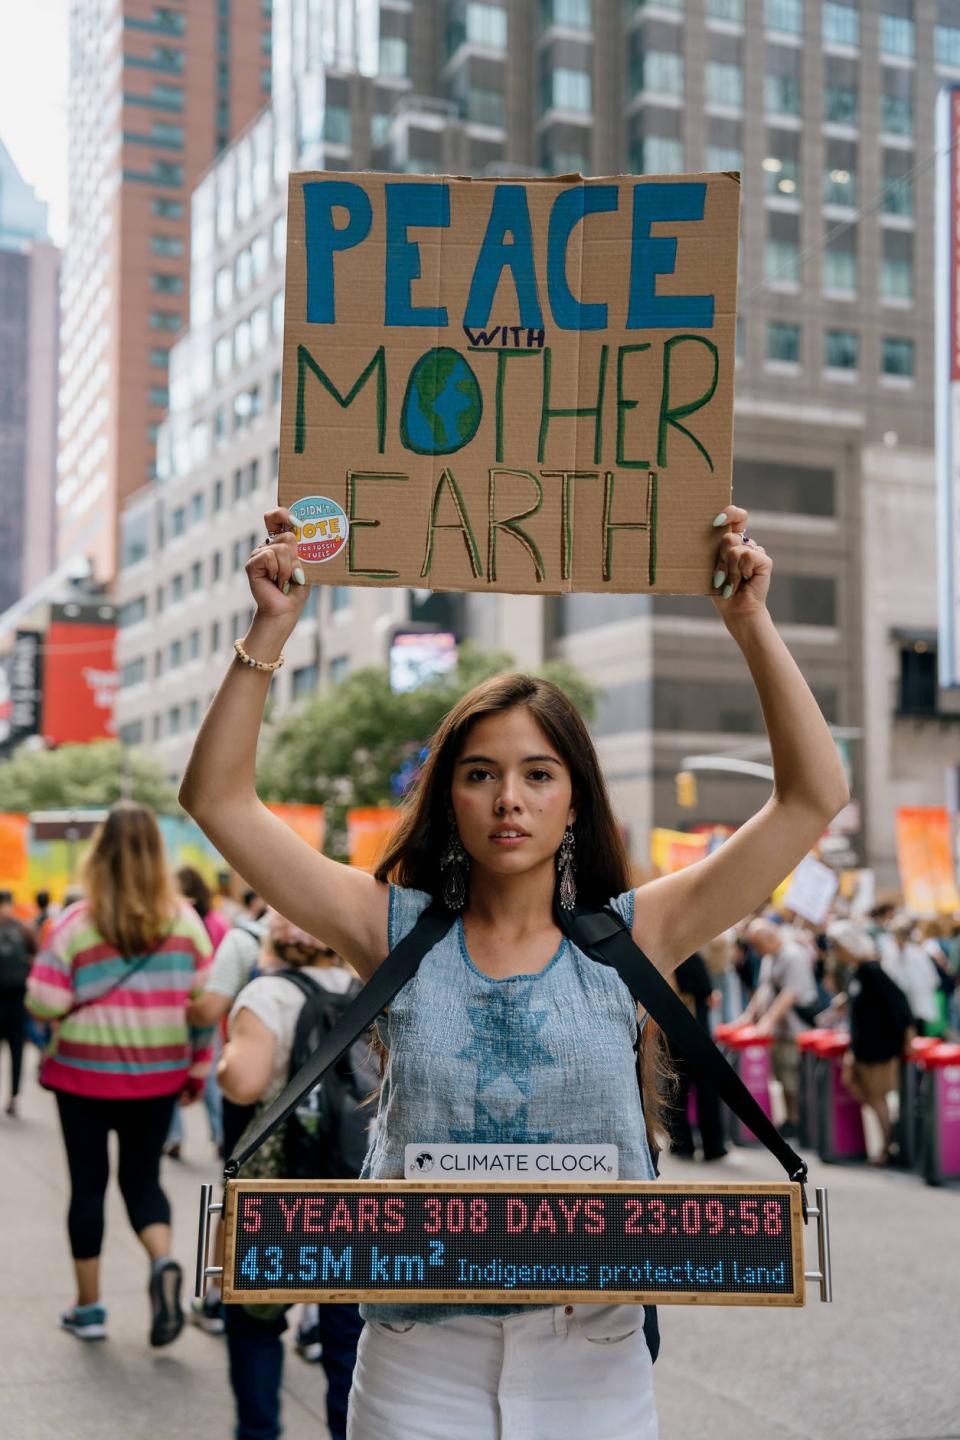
(348, 746)
(84, 777)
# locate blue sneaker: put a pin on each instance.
(87, 1322)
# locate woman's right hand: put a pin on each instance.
(274, 572)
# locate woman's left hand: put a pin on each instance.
(742, 572)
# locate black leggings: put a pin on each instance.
(141, 1127)
(13, 1018)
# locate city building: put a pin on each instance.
(827, 110)
(29, 275)
(156, 92)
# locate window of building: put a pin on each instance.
(218, 497)
(237, 486)
(393, 57)
(254, 476)
(159, 601)
(163, 133)
(167, 284)
(216, 566)
(223, 357)
(896, 265)
(196, 576)
(161, 57)
(897, 182)
(223, 287)
(165, 320)
(157, 663)
(841, 24)
(260, 255)
(159, 395)
(278, 237)
(164, 209)
(166, 172)
(241, 342)
(312, 606)
(840, 93)
(659, 72)
(485, 107)
(782, 83)
(193, 714)
(131, 733)
(197, 507)
(784, 488)
(173, 720)
(782, 250)
(178, 521)
(841, 349)
(658, 155)
(194, 646)
(785, 16)
(239, 556)
(215, 637)
(724, 84)
(781, 164)
(176, 654)
(896, 101)
(947, 45)
(897, 356)
(783, 342)
(486, 25)
(340, 598)
(566, 89)
(160, 359)
(166, 245)
(840, 173)
(572, 14)
(918, 688)
(897, 35)
(276, 387)
(176, 589)
(729, 10)
(156, 727)
(132, 612)
(339, 669)
(276, 313)
(243, 270)
(840, 261)
(303, 682)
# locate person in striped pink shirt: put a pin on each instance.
(116, 977)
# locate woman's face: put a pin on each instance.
(511, 793)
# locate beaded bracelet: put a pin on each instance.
(245, 659)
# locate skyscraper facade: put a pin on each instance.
(156, 92)
(29, 271)
(826, 108)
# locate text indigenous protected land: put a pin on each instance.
(509, 385)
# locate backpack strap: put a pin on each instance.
(604, 936)
(399, 967)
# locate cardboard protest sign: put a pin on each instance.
(812, 890)
(524, 386)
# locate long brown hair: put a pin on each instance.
(126, 879)
(603, 871)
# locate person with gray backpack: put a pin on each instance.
(17, 949)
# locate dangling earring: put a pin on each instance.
(567, 870)
(454, 868)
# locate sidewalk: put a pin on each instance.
(54, 1387)
(879, 1364)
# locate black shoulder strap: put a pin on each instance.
(399, 967)
(603, 936)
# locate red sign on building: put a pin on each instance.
(79, 677)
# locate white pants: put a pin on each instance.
(555, 1374)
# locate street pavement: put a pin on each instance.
(881, 1363)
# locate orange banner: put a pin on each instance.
(367, 834)
(925, 857)
(14, 873)
(306, 820)
(672, 850)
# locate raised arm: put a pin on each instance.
(678, 913)
(346, 908)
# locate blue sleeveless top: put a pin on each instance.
(530, 1059)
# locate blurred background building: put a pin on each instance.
(827, 109)
(29, 279)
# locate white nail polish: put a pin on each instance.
(718, 578)
(720, 519)
(727, 591)
(286, 588)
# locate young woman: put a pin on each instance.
(507, 1032)
(117, 974)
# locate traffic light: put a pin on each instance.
(686, 783)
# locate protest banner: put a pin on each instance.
(672, 850)
(368, 831)
(521, 386)
(812, 889)
(924, 855)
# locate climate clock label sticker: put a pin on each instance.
(321, 528)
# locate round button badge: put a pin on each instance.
(321, 527)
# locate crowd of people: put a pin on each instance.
(145, 992)
(883, 976)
